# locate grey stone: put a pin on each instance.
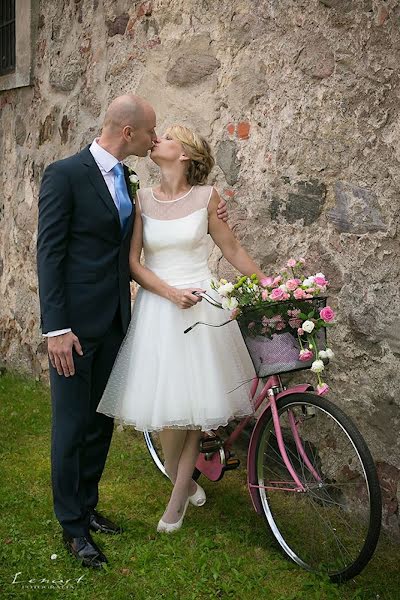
(63, 130)
(118, 25)
(343, 5)
(63, 77)
(356, 211)
(20, 131)
(316, 59)
(191, 69)
(46, 129)
(228, 161)
(306, 203)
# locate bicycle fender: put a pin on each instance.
(302, 387)
(251, 454)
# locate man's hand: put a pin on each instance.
(222, 210)
(60, 352)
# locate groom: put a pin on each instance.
(86, 214)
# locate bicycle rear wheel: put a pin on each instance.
(154, 447)
(333, 525)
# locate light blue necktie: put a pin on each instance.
(121, 191)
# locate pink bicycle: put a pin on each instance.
(310, 473)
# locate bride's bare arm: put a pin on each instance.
(183, 298)
(227, 243)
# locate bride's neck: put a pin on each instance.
(172, 182)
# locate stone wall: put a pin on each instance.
(300, 101)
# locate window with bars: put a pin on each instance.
(7, 36)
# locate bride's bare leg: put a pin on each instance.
(183, 482)
(172, 441)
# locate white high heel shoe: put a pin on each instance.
(164, 527)
(199, 497)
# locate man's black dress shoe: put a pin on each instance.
(102, 524)
(85, 550)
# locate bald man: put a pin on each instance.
(86, 214)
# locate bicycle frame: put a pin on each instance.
(213, 467)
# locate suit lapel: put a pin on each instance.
(98, 182)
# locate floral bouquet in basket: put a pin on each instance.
(288, 303)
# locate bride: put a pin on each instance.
(164, 380)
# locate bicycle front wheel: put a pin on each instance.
(332, 524)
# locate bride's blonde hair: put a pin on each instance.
(197, 149)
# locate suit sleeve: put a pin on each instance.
(55, 209)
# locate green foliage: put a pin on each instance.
(223, 550)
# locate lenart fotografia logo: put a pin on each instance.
(44, 583)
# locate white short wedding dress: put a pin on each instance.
(163, 378)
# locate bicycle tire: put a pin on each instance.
(155, 453)
(327, 489)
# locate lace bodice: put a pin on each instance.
(175, 240)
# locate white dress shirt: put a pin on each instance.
(106, 162)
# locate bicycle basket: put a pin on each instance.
(278, 352)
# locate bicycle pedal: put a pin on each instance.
(231, 463)
(210, 445)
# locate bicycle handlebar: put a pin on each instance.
(211, 301)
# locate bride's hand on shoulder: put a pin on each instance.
(185, 298)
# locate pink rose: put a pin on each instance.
(292, 284)
(235, 313)
(286, 296)
(300, 331)
(305, 355)
(322, 389)
(277, 294)
(327, 314)
(264, 295)
(320, 281)
(280, 325)
(295, 323)
(291, 263)
(277, 280)
(299, 294)
(267, 281)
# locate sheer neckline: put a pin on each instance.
(169, 201)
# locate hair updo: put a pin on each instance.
(198, 150)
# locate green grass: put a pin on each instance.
(223, 550)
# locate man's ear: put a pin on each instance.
(128, 132)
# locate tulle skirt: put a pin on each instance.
(163, 378)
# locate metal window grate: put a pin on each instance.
(7, 36)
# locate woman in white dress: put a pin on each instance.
(164, 380)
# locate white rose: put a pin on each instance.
(317, 366)
(329, 353)
(308, 326)
(283, 287)
(322, 354)
(229, 303)
(225, 289)
(133, 178)
(308, 282)
(320, 275)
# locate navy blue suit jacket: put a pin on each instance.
(82, 254)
